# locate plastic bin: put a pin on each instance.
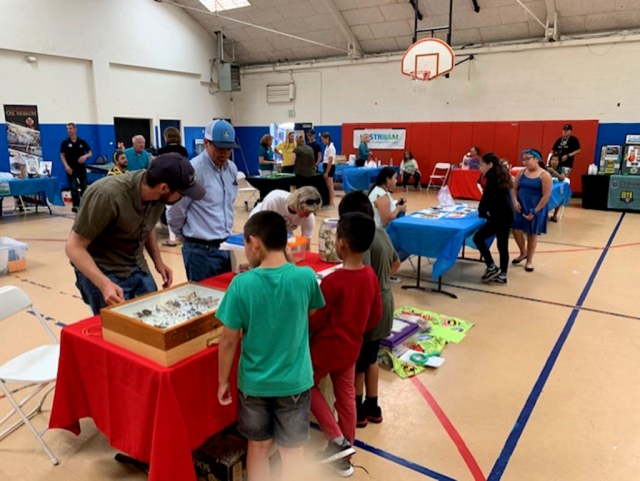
(13, 255)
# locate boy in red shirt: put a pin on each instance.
(353, 307)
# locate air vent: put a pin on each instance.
(281, 93)
(229, 77)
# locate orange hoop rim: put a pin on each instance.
(420, 75)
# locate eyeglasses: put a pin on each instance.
(313, 201)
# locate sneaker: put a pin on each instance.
(499, 280)
(490, 273)
(361, 420)
(395, 280)
(374, 413)
(74, 210)
(343, 468)
(335, 452)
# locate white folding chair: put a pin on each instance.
(251, 193)
(36, 368)
(440, 173)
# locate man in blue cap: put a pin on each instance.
(205, 224)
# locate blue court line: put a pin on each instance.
(523, 418)
(396, 459)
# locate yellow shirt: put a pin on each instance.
(286, 152)
(115, 171)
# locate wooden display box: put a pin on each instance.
(164, 345)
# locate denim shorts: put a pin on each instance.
(284, 419)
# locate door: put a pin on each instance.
(164, 124)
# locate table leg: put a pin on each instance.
(124, 459)
(440, 291)
(417, 286)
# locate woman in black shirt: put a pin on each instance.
(496, 207)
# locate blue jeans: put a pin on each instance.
(202, 261)
(137, 284)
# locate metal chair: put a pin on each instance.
(438, 175)
(36, 368)
(245, 188)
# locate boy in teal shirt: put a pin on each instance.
(270, 307)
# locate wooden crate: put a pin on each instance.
(166, 346)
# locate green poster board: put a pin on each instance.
(624, 192)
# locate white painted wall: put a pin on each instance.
(577, 82)
(99, 59)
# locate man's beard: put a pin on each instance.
(164, 199)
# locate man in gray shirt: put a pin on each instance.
(205, 224)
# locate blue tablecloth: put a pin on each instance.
(560, 195)
(441, 239)
(48, 185)
(360, 178)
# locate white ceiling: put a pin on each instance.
(381, 26)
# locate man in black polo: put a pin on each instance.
(566, 148)
(74, 152)
(313, 143)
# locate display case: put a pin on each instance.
(166, 326)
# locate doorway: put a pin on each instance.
(164, 124)
(127, 128)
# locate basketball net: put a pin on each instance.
(419, 81)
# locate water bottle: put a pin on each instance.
(391, 162)
(379, 163)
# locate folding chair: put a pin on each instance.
(36, 368)
(245, 188)
(437, 174)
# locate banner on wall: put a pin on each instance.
(23, 136)
(624, 192)
(382, 138)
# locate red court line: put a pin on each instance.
(468, 458)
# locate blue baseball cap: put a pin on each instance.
(221, 134)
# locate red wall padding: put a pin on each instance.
(433, 142)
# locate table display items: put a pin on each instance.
(166, 326)
(610, 158)
(327, 241)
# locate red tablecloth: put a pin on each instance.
(463, 184)
(155, 414)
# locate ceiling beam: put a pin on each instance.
(355, 49)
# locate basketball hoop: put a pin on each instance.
(426, 60)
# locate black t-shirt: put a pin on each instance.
(565, 147)
(316, 150)
(73, 151)
(174, 148)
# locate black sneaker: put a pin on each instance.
(335, 452)
(361, 420)
(74, 210)
(343, 468)
(373, 413)
(499, 280)
(490, 273)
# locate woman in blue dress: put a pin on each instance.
(531, 193)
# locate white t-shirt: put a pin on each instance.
(329, 151)
(375, 194)
(276, 201)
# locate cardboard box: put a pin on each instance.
(13, 255)
(222, 457)
(125, 326)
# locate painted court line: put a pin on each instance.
(512, 441)
(448, 426)
(395, 459)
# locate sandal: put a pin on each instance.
(518, 260)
